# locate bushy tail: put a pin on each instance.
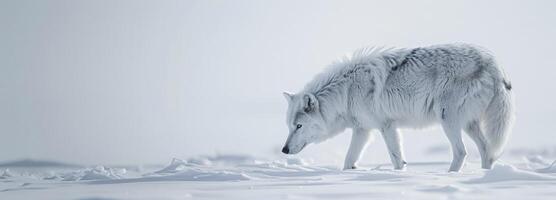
(498, 119)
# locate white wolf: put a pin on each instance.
(458, 86)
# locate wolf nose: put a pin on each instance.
(285, 150)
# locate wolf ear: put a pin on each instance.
(288, 96)
(310, 103)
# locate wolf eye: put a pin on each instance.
(299, 126)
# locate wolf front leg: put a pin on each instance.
(359, 140)
(393, 141)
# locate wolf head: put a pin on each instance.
(305, 122)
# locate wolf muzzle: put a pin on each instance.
(286, 150)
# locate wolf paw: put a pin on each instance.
(350, 167)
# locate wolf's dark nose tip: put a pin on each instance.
(285, 150)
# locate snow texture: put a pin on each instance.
(96, 173)
(549, 169)
(246, 177)
(505, 172)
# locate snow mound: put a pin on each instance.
(96, 173)
(208, 161)
(175, 166)
(536, 159)
(227, 168)
(549, 169)
(505, 172)
(6, 174)
(182, 170)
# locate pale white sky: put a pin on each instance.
(145, 81)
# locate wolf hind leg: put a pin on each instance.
(359, 140)
(473, 129)
(452, 129)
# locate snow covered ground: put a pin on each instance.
(246, 177)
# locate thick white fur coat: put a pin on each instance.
(458, 86)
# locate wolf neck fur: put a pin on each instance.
(331, 87)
